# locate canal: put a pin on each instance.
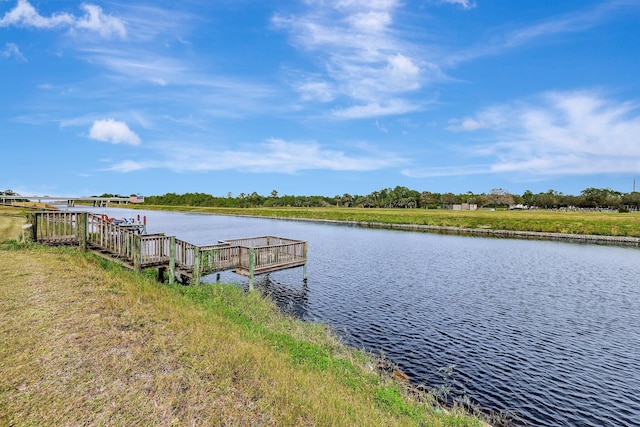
(545, 332)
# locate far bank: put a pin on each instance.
(588, 227)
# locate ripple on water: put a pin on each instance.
(548, 332)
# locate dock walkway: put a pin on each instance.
(127, 245)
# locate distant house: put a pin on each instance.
(465, 207)
(136, 199)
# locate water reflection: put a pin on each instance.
(291, 299)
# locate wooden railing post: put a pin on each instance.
(137, 253)
(304, 267)
(33, 220)
(196, 265)
(172, 259)
(251, 267)
(82, 230)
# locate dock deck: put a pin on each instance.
(125, 244)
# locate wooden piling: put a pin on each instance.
(82, 230)
(137, 253)
(196, 265)
(304, 267)
(33, 220)
(252, 258)
(172, 259)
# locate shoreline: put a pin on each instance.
(480, 232)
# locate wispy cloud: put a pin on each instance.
(490, 118)
(465, 4)
(448, 171)
(113, 131)
(561, 133)
(273, 156)
(12, 50)
(93, 20)
(375, 109)
(138, 64)
(573, 22)
(361, 57)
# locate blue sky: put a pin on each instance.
(318, 97)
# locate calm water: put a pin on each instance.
(546, 332)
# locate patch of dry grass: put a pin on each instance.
(85, 344)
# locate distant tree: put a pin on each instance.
(548, 200)
(346, 199)
(601, 198)
(273, 199)
(528, 198)
(428, 199)
(482, 200)
(632, 200)
(500, 197)
(448, 199)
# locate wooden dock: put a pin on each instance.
(125, 244)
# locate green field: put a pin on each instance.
(595, 223)
(85, 342)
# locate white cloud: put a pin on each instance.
(113, 131)
(387, 108)
(491, 118)
(315, 91)
(273, 156)
(95, 20)
(25, 15)
(158, 81)
(562, 133)
(360, 54)
(403, 74)
(129, 166)
(11, 49)
(465, 4)
(370, 22)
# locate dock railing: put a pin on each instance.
(54, 227)
(248, 256)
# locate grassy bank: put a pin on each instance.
(595, 223)
(11, 221)
(88, 343)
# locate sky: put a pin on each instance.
(318, 97)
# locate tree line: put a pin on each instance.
(403, 197)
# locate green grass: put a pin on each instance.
(11, 221)
(86, 342)
(596, 223)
